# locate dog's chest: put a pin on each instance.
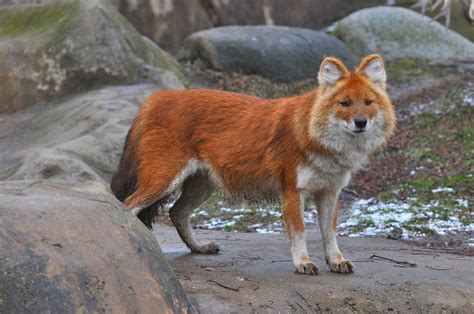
(324, 173)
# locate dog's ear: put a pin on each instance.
(372, 67)
(331, 70)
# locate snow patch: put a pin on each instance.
(406, 220)
(443, 189)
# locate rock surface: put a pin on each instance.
(77, 140)
(401, 33)
(72, 247)
(253, 273)
(57, 49)
(279, 53)
(154, 18)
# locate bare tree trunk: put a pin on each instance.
(468, 6)
(212, 12)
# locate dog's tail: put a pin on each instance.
(124, 179)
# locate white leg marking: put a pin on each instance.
(326, 203)
(299, 252)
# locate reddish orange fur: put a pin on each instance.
(334, 216)
(251, 144)
(225, 129)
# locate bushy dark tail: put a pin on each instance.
(124, 179)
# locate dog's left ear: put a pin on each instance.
(372, 67)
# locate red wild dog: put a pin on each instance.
(292, 148)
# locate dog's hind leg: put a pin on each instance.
(158, 179)
(196, 190)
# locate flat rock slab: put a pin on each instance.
(254, 272)
(73, 248)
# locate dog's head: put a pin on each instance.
(353, 108)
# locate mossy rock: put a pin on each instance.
(398, 33)
(459, 22)
(52, 50)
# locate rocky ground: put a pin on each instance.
(254, 274)
(74, 75)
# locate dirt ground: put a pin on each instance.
(254, 273)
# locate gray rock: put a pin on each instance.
(77, 139)
(153, 18)
(279, 53)
(169, 22)
(71, 247)
(52, 50)
(401, 33)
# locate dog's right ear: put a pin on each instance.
(331, 70)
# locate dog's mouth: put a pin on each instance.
(359, 131)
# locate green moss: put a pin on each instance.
(421, 188)
(416, 154)
(151, 52)
(389, 221)
(467, 134)
(422, 184)
(426, 120)
(420, 229)
(408, 70)
(33, 20)
(363, 224)
(441, 139)
(230, 228)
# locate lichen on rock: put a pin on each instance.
(52, 50)
(398, 33)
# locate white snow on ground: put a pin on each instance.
(468, 99)
(405, 219)
(409, 219)
(470, 242)
(235, 215)
(442, 189)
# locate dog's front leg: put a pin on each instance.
(327, 209)
(293, 207)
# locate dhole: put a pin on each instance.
(288, 149)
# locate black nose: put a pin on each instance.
(360, 123)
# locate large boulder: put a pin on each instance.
(56, 49)
(168, 22)
(401, 33)
(77, 139)
(73, 248)
(276, 52)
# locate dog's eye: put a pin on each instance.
(368, 102)
(344, 103)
